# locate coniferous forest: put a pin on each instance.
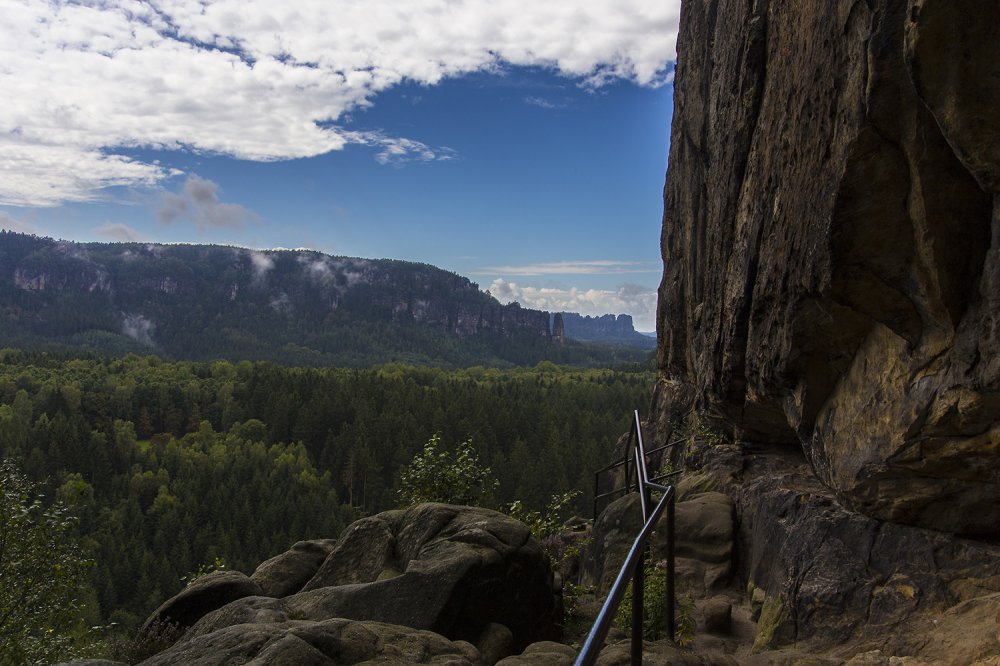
(172, 466)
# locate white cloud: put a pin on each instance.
(199, 202)
(397, 151)
(543, 103)
(342, 273)
(261, 263)
(118, 232)
(600, 266)
(139, 329)
(260, 80)
(631, 299)
(317, 266)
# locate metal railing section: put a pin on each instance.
(635, 562)
(630, 485)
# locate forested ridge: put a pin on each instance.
(296, 307)
(170, 465)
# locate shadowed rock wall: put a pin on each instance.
(830, 241)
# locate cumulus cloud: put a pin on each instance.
(118, 232)
(36, 173)
(199, 202)
(260, 80)
(631, 299)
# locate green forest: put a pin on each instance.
(171, 466)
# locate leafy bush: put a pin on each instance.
(437, 475)
(42, 569)
(542, 523)
(203, 570)
(571, 595)
(654, 607)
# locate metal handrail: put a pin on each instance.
(629, 485)
(634, 565)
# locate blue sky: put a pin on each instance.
(525, 152)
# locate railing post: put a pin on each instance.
(595, 639)
(639, 576)
(671, 599)
(638, 588)
(638, 554)
(628, 461)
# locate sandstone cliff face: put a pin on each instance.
(830, 241)
(605, 328)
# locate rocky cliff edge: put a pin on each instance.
(830, 241)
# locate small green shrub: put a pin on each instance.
(542, 523)
(437, 475)
(697, 427)
(571, 594)
(654, 605)
(710, 436)
(203, 569)
(686, 623)
(42, 577)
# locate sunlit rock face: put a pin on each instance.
(830, 242)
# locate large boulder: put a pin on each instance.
(200, 597)
(304, 643)
(453, 570)
(611, 538)
(704, 535)
(704, 549)
(461, 572)
(830, 244)
(286, 573)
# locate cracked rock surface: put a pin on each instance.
(830, 240)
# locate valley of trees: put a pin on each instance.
(173, 465)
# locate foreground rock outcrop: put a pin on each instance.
(423, 585)
(334, 641)
(830, 241)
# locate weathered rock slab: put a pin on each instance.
(448, 569)
(543, 653)
(704, 533)
(452, 570)
(335, 641)
(286, 573)
(826, 576)
(202, 596)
